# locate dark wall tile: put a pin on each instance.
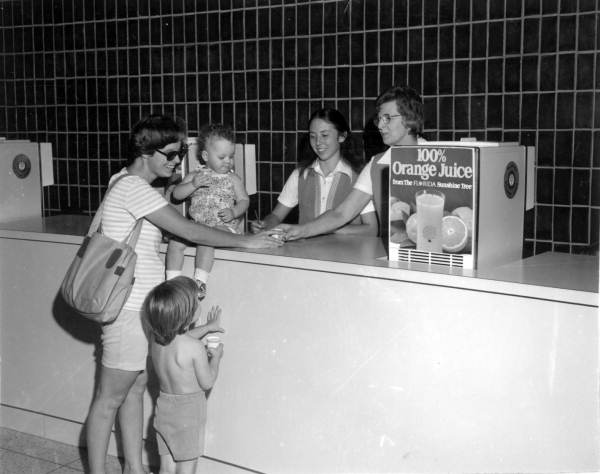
(581, 187)
(543, 226)
(567, 30)
(511, 112)
(563, 151)
(513, 37)
(562, 187)
(582, 151)
(446, 42)
(529, 106)
(566, 67)
(531, 35)
(496, 38)
(494, 75)
(79, 75)
(561, 224)
(565, 107)
(585, 71)
(585, 40)
(548, 72)
(478, 76)
(512, 74)
(445, 77)
(595, 190)
(477, 112)
(547, 104)
(583, 109)
(549, 34)
(580, 219)
(461, 113)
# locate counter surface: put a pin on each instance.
(552, 276)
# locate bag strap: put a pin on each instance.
(132, 238)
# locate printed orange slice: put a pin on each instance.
(454, 234)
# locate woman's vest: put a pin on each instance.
(309, 194)
(380, 178)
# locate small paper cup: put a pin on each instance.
(277, 233)
(212, 341)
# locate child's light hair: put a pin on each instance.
(170, 307)
(210, 132)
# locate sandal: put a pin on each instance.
(201, 289)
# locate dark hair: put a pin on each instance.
(409, 104)
(169, 308)
(210, 132)
(153, 133)
(347, 147)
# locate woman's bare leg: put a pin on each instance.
(113, 390)
(130, 416)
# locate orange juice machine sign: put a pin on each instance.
(431, 205)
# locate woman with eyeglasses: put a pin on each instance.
(157, 145)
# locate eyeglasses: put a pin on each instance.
(170, 155)
(385, 118)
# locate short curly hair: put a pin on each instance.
(409, 104)
(153, 133)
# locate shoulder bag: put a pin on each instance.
(101, 275)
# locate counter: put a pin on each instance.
(552, 276)
(337, 360)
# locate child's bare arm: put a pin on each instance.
(189, 184)
(205, 367)
(213, 324)
(242, 201)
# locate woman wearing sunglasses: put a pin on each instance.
(157, 146)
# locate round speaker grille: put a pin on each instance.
(511, 179)
(21, 166)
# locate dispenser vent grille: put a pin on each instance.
(433, 258)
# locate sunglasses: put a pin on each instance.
(170, 155)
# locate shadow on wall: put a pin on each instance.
(85, 331)
(89, 332)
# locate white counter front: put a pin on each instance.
(339, 361)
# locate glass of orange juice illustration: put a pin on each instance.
(430, 211)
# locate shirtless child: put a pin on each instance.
(186, 369)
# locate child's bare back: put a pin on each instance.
(183, 366)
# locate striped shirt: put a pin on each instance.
(130, 199)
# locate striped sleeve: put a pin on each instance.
(142, 199)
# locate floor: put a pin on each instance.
(22, 453)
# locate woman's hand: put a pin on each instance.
(292, 231)
(264, 239)
(256, 226)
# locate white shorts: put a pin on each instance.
(124, 344)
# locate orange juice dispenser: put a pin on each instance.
(458, 204)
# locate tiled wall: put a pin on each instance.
(79, 73)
